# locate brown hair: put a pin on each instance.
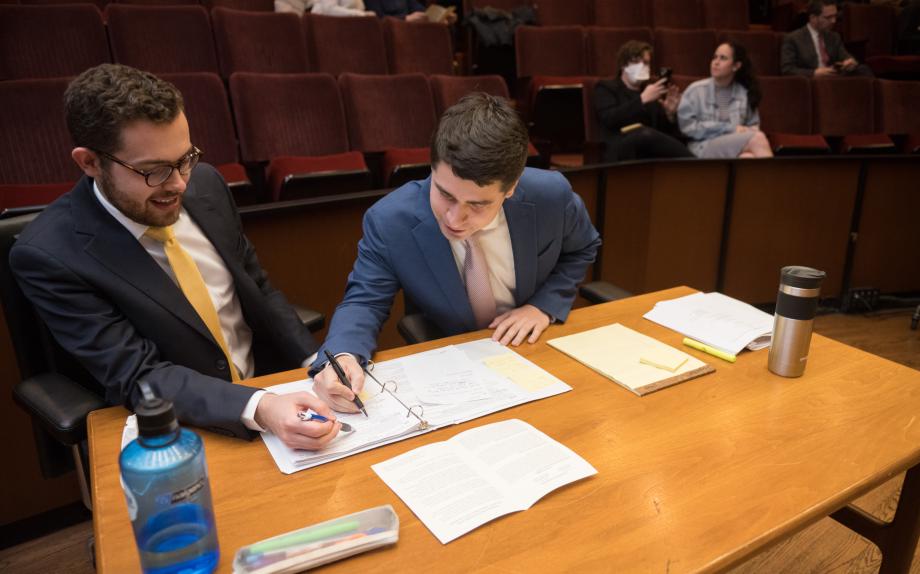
(482, 139)
(630, 51)
(815, 7)
(104, 99)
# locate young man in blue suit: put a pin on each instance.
(482, 243)
(142, 272)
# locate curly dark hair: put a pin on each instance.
(745, 74)
(630, 51)
(483, 139)
(104, 99)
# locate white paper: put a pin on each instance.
(716, 320)
(445, 376)
(458, 485)
(389, 421)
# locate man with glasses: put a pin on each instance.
(142, 272)
(816, 50)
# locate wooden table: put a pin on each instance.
(696, 477)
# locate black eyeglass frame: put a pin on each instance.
(191, 157)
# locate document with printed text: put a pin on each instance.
(460, 484)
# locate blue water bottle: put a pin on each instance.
(165, 479)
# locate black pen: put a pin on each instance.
(340, 373)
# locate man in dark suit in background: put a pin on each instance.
(815, 49)
(142, 271)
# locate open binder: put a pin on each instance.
(395, 398)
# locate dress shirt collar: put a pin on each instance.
(812, 31)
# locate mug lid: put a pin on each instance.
(802, 277)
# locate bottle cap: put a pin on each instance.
(155, 416)
(802, 277)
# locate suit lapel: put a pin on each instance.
(522, 226)
(810, 48)
(115, 248)
(439, 257)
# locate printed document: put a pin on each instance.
(422, 392)
(460, 484)
(716, 320)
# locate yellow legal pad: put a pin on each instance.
(630, 359)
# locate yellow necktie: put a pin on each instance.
(193, 286)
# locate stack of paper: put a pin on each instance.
(716, 320)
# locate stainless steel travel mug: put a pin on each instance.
(796, 305)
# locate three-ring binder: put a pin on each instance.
(385, 387)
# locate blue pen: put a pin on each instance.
(311, 416)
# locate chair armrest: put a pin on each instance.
(602, 292)
(59, 403)
(312, 320)
(418, 329)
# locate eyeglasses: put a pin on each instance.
(158, 175)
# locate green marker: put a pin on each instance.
(305, 537)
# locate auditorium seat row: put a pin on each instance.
(857, 115)
(686, 14)
(299, 135)
(578, 50)
(255, 5)
(64, 40)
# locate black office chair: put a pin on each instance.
(54, 389)
(602, 292)
(414, 327)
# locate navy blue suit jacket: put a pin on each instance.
(552, 239)
(109, 304)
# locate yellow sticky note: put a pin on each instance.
(666, 363)
(522, 373)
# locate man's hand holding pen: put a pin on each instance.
(333, 391)
(280, 415)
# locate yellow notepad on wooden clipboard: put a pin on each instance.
(635, 361)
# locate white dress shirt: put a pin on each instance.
(495, 241)
(216, 276)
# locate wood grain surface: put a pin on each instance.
(694, 478)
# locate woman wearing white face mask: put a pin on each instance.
(631, 99)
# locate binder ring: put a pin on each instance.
(423, 424)
(387, 386)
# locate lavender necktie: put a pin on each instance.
(476, 276)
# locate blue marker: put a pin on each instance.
(311, 416)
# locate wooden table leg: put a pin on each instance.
(896, 539)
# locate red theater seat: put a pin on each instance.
(340, 45)
(50, 41)
(295, 125)
(162, 39)
(418, 47)
(392, 117)
(266, 42)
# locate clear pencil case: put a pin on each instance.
(320, 544)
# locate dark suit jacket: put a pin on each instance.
(396, 8)
(799, 57)
(109, 304)
(617, 107)
(552, 240)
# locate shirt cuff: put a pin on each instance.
(248, 418)
(309, 361)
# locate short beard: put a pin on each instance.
(129, 207)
